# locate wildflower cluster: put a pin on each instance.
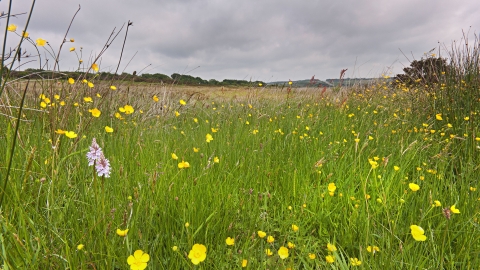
(96, 158)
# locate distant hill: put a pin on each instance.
(303, 83)
(329, 82)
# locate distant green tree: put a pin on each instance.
(424, 71)
(213, 82)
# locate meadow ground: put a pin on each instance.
(260, 178)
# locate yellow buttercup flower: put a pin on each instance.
(25, 34)
(95, 112)
(454, 210)
(244, 263)
(155, 98)
(373, 163)
(95, 67)
(294, 227)
(197, 254)
(418, 233)
(182, 102)
(70, 134)
(113, 87)
(71, 81)
(330, 259)
(373, 249)
(128, 109)
(283, 253)
(331, 188)
(230, 241)
(355, 262)
(331, 247)
(268, 252)
(216, 160)
(139, 260)
(80, 247)
(41, 42)
(414, 187)
(261, 234)
(108, 129)
(12, 28)
(270, 239)
(312, 256)
(122, 232)
(90, 84)
(174, 156)
(72, 49)
(183, 165)
(208, 138)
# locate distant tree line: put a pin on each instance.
(175, 78)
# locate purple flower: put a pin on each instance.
(103, 166)
(94, 153)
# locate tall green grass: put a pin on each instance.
(273, 162)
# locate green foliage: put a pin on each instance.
(426, 71)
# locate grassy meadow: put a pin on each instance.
(310, 168)
(99, 174)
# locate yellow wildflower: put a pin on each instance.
(122, 232)
(12, 28)
(230, 241)
(197, 254)
(41, 42)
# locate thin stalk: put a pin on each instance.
(4, 46)
(18, 52)
(12, 149)
(64, 40)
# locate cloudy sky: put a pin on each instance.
(268, 40)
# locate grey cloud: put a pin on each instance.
(267, 39)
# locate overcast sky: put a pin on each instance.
(268, 40)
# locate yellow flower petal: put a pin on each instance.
(12, 28)
(41, 42)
